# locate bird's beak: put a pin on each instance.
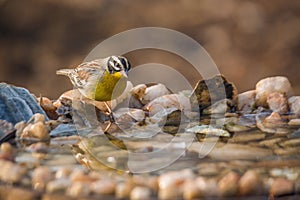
(124, 74)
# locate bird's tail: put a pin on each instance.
(65, 72)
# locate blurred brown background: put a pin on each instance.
(248, 40)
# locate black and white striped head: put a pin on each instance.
(117, 64)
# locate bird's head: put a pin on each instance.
(118, 64)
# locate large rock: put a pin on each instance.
(17, 104)
(246, 101)
(270, 85)
(210, 91)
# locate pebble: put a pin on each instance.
(63, 172)
(208, 130)
(123, 189)
(175, 101)
(228, 185)
(294, 103)
(58, 185)
(246, 101)
(37, 130)
(40, 177)
(170, 180)
(269, 85)
(140, 193)
(78, 189)
(211, 188)
(11, 172)
(105, 187)
(138, 91)
(191, 190)
(271, 124)
(250, 184)
(154, 92)
(220, 107)
(277, 102)
(294, 122)
(6, 148)
(147, 181)
(281, 186)
(48, 107)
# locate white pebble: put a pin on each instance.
(154, 92)
(269, 85)
(140, 193)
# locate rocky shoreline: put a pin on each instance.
(55, 150)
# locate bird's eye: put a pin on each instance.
(126, 64)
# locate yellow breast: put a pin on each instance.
(110, 86)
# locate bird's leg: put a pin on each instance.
(111, 117)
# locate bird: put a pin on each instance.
(102, 79)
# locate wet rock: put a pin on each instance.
(277, 102)
(64, 130)
(228, 185)
(234, 152)
(281, 186)
(250, 184)
(247, 137)
(294, 103)
(154, 92)
(17, 104)
(271, 142)
(295, 134)
(140, 193)
(208, 130)
(246, 101)
(271, 124)
(210, 91)
(294, 122)
(270, 85)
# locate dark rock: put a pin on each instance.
(64, 130)
(17, 104)
(208, 92)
